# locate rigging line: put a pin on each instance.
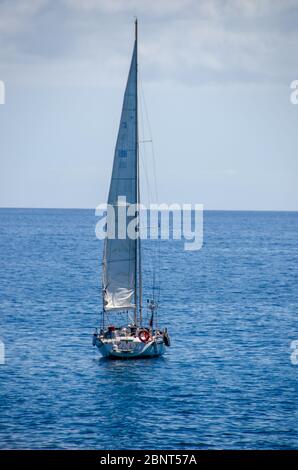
(147, 140)
(153, 197)
(150, 254)
(150, 138)
(154, 179)
(144, 162)
(143, 155)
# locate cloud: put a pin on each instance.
(185, 41)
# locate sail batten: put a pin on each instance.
(119, 258)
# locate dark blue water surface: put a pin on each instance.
(231, 309)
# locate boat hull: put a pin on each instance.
(133, 350)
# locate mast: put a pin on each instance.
(138, 195)
(137, 175)
(138, 266)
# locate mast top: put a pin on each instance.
(136, 28)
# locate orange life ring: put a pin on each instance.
(144, 336)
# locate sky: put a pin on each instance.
(216, 78)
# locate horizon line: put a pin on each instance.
(94, 208)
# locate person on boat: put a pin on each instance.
(133, 329)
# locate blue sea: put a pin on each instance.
(226, 382)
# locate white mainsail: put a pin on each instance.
(120, 255)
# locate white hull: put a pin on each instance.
(130, 348)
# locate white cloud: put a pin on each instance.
(16, 15)
(180, 40)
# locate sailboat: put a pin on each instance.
(137, 337)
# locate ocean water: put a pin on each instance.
(231, 308)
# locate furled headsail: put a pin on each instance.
(120, 255)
